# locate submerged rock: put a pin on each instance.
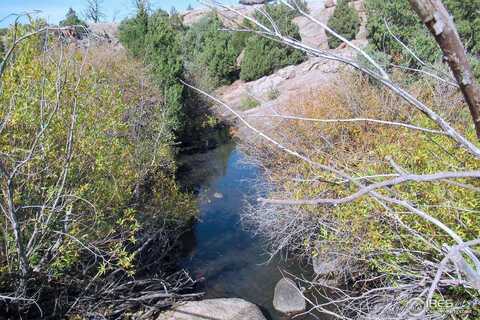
(218, 195)
(287, 297)
(218, 309)
(325, 264)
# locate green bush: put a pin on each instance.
(405, 25)
(467, 19)
(211, 53)
(2, 44)
(164, 56)
(344, 21)
(264, 56)
(117, 138)
(201, 53)
(248, 102)
(131, 33)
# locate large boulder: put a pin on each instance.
(288, 297)
(218, 309)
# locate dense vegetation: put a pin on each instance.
(372, 239)
(406, 26)
(344, 163)
(87, 163)
(345, 22)
(204, 55)
(264, 56)
(209, 54)
(85, 141)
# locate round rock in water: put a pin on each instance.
(324, 264)
(218, 309)
(218, 195)
(287, 297)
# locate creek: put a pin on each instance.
(229, 260)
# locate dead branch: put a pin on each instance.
(440, 23)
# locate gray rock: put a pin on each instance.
(218, 195)
(214, 309)
(287, 297)
(240, 58)
(324, 264)
(330, 3)
(252, 2)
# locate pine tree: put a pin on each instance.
(72, 19)
(344, 21)
(131, 32)
(264, 56)
(164, 55)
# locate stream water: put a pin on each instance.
(230, 261)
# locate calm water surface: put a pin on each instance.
(232, 262)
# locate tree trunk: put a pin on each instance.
(439, 22)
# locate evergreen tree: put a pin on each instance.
(218, 54)
(164, 55)
(71, 19)
(264, 56)
(131, 32)
(345, 22)
(406, 26)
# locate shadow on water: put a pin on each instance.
(229, 260)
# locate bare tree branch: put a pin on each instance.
(440, 23)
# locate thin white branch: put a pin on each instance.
(391, 123)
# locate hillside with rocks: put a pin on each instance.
(275, 90)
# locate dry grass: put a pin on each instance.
(381, 240)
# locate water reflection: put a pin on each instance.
(231, 262)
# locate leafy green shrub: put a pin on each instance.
(366, 230)
(115, 142)
(264, 56)
(344, 21)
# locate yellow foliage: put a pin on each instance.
(362, 149)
